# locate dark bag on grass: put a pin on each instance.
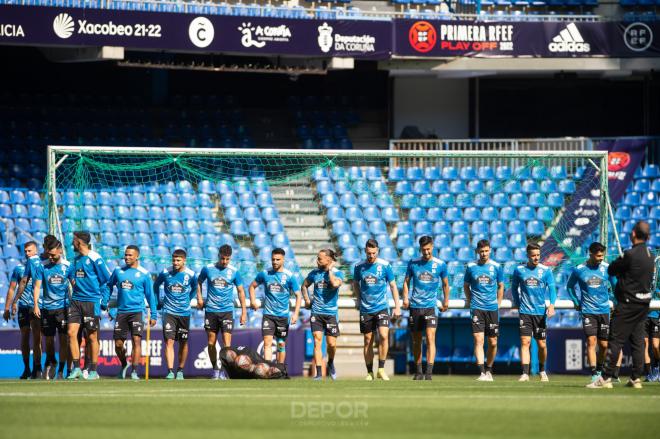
(242, 362)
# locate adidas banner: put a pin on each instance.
(537, 39)
(76, 27)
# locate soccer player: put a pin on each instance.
(326, 281)
(483, 286)
(652, 335)
(90, 276)
(529, 285)
(220, 279)
(370, 280)
(179, 285)
(134, 285)
(596, 288)
(429, 276)
(279, 283)
(23, 305)
(53, 276)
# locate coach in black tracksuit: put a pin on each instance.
(634, 272)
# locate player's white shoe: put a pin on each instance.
(635, 384)
(369, 377)
(544, 377)
(601, 383)
(523, 378)
(483, 377)
(382, 374)
(489, 376)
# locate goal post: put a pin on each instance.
(455, 196)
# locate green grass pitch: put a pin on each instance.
(448, 406)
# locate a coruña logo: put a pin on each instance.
(422, 36)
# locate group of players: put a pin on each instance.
(54, 296)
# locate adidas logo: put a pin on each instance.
(569, 40)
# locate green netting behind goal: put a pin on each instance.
(201, 199)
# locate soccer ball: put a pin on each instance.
(261, 370)
(245, 363)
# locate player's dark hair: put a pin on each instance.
(179, 253)
(533, 246)
(371, 243)
(83, 236)
(483, 243)
(133, 247)
(29, 244)
(52, 244)
(48, 239)
(596, 247)
(425, 240)
(330, 253)
(278, 251)
(225, 250)
(642, 230)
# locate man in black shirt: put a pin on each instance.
(634, 272)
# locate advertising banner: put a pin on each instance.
(198, 364)
(194, 33)
(625, 156)
(559, 39)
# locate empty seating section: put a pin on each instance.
(322, 122)
(456, 206)
(640, 202)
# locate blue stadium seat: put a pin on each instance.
(414, 173)
(372, 214)
(468, 173)
(508, 213)
(189, 226)
(346, 240)
(423, 228)
(432, 173)
(354, 214)
(446, 200)
(378, 187)
(360, 187)
(540, 173)
(440, 187)
(274, 226)
(503, 173)
(237, 227)
(463, 200)
(517, 200)
(447, 254)
(449, 173)
(256, 227)
(503, 254)
(362, 238)
(330, 200)
(498, 226)
(335, 213)
(390, 215)
(566, 186)
(396, 174)
(489, 214)
(545, 214)
(485, 173)
(498, 240)
(441, 241)
(517, 240)
(373, 173)
(377, 227)
(440, 227)
(341, 226)
(522, 173)
(650, 199)
(512, 187)
(453, 214)
(460, 227)
(324, 187)
(654, 214)
(526, 213)
(402, 188)
(555, 200)
(465, 254)
(482, 200)
(535, 228)
(228, 200)
(530, 186)
(404, 227)
(651, 170)
(342, 187)
(623, 213)
(640, 213)
(548, 186)
(365, 200)
(472, 214)
(479, 227)
(269, 214)
(460, 240)
(408, 254)
(261, 240)
(403, 241)
(359, 227)
(417, 214)
(389, 254)
(434, 214)
(457, 187)
(172, 226)
(347, 200)
(500, 199)
(350, 255)
(421, 187)
(516, 226)
(558, 172)
(427, 200)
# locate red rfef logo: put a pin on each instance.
(617, 161)
(422, 36)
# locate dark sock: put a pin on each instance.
(60, 369)
(133, 368)
(331, 362)
(594, 370)
(381, 364)
(616, 372)
(370, 368)
(170, 370)
(647, 368)
(599, 367)
(481, 368)
(124, 363)
(419, 369)
(76, 363)
(429, 368)
(489, 368)
(654, 363)
(542, 367)
(92, 367)
(525, 368)
(319, 371)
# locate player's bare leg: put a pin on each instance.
(383, 347)
(183, 356)
(430, 352)
(368, 352)
(318, 353)
(331, 347)
(525, 358)
(25, 352)
(92, 340)
(543, 355)
(417, 355)
(74, 348)
(268, 347)
(212, 338)
(136, 354)
(35, 328)
(120, 350)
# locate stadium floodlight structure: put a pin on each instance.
(79, 176)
